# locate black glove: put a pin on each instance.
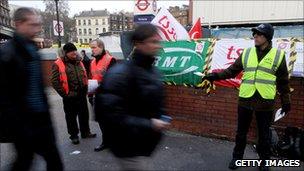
(286, 108)
(210, 77)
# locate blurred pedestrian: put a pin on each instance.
(86, 61)
(130, 102)
(265, 71)
(69, 79)
(24, 111)
(101, 62)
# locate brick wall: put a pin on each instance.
(214, 115)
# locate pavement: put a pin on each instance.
(177, 151)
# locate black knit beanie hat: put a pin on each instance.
(69, 47)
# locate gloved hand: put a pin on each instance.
(210, 77)
(286, 108)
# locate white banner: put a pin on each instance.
(226, 51)
(58, 28)
(169, 28)
(145, 7)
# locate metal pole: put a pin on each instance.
(57, 13)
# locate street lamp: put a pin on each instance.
(57, 13)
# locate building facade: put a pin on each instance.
(121, 22)
(89, 24)
(6, 30)
(181, 14)
(230, 13)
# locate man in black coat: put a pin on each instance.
(24, 111)
(130, 100)
(86, 61)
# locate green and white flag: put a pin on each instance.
(178, 61)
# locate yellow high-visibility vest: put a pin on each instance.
(260, 76)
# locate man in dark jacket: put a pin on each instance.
(69, 79)
(86, 61)
(130, 102)
(264, 70)
(24, 111)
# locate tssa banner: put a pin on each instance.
(178, 61)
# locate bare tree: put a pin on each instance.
(50, 14)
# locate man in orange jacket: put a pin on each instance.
(99, 65)
(69, 79)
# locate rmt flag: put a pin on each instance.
(169, 28)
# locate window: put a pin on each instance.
(85, 40)
(79, 22)
(103, 21)
(79, 32)
(104, 30)
(84, 22)
(96, 21)
(80, 40)
(90, 39)
(90, 31)
(97, 30)
(84, 31)
(89, 22)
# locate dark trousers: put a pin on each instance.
(73, 107)
(263, 119)
(36, 136)
(103, 133)
(92, 102)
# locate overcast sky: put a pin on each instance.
(77, 6)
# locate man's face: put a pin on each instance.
(95, 49)
(259, 38)
(150, 46)
(29, 28)
(72, 55)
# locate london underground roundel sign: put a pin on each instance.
(142, 5)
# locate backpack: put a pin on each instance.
(291, 146)
(274, 141)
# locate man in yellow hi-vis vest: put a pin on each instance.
(264, 72)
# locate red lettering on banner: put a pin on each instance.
(172, 31)
(239, 52)
(231, 50)
(165, 23)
